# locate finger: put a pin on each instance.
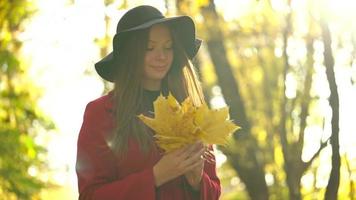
(194, 166)
(209, 156)
(180, 150)
(193, 159)
(199, 144)
(209, 160)
(209, 153)
(183, 160)
(198, 154)
(187, 152)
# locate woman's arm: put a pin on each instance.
(96, 166)
(210, 188)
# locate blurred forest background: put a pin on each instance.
(286, 69)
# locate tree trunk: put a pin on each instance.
(334, 180)
(294, 174)
(291, 158)
(248, 167)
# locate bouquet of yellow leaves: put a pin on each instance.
(178, 125)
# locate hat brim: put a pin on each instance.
(183, 26)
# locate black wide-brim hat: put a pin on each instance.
(143, 17)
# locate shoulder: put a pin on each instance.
(98, 116)
(102, 104)
(98, 123)
(100, 109)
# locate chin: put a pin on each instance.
(159, 76)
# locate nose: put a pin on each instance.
(161, 54)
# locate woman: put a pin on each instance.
(117, 156)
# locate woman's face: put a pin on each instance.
(159, 54)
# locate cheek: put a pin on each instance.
(147, 58)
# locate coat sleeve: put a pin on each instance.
(97, 169)
(210, 188)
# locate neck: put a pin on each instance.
(151, 84)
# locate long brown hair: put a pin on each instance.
(181, 80)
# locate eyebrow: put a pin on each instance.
(156, 41)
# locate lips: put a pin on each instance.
(159, 68)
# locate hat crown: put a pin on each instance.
(143, 17)
(137, 16)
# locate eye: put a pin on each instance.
(149, 48)
(169, 47)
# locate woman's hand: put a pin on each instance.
(194, 176)
(178, 162)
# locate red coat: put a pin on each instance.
(102, 176)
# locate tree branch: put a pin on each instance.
(316, 154)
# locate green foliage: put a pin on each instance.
(18, 154)
(20, 118)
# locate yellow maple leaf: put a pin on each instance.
(177, 125)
